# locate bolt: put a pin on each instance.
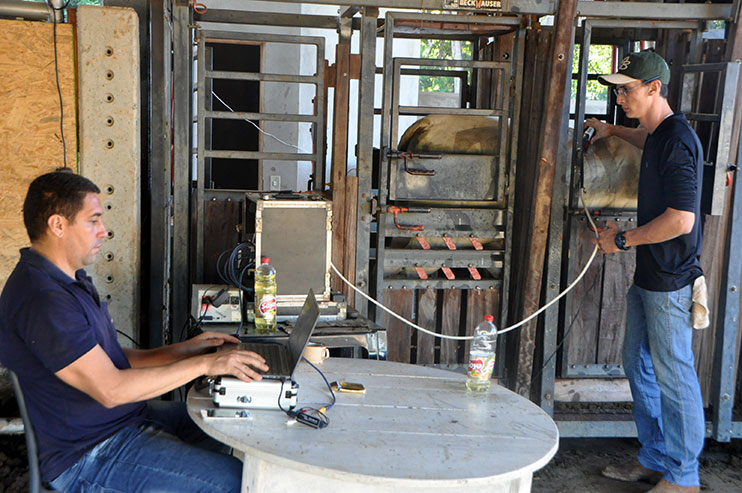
(725, 397)
(553, 286)
(733, 289)
(547, 396)
(560, 56)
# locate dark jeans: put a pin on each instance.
(166, 453)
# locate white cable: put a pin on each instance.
(506, 329)
(260, 129)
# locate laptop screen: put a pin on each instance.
(303, 329)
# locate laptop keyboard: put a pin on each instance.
(276, 357)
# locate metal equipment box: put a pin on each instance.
(296, 234)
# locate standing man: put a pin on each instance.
(85, 393)
(657, 354)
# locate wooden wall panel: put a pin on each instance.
(426, 317)
(618, 275)
(30, 141)
(398, 333)
(450, 325)
(583, 302)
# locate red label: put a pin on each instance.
(481, 367)
(267, 307)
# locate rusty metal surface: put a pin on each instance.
(108, 70)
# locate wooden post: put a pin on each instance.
(549, 147)
(340, 151)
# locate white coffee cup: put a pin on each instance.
(316, 352)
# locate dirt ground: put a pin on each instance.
(575, 468)
(577, 465)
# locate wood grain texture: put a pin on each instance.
(398, 333)
(30, 138)
(426, 311)
(450, 325)
(618, 275)
(583, 302)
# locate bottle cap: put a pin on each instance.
(265, 260)
(489, 318)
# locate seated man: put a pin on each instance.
(85, 393)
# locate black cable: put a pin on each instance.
(128, 337)
(323, 419)
(56, 75)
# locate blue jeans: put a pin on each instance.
(167, 452)
(658, 361)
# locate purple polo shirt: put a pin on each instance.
(48, 321)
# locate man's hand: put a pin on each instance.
(602, 130)
(607, 240)
(205, 341)
(241, 364)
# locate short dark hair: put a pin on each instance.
(664, 91)
(59, 192)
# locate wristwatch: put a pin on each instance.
(620, 240)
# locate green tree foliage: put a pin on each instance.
(599, 62)
(440, 49)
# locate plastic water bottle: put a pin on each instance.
(482, 355)
(265, 297)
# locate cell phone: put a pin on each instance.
(349, 387)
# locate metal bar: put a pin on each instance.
(365, 154)
(595, 370)
(453, 19)
(268, 19)
(273, 117)
(231, 37)
(21, 9)
(201, 159)
(726, 126)
(156, 45)
(548, 151)
(181, 165)
(403, 257)
(642, 24)
(320, 125)
(435, 62)
(433, 110)
(723, 381)
(587, 8)
(614, 429)
(282, 156)
(703, 117)
(262, 77)
(440, 284)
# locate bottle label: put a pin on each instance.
(267, 307)
(481, 368)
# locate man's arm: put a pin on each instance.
(668, 225)
(145, 358)
(95, 374)
(634, 136)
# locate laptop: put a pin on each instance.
(282, 359)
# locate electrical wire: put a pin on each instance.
(319, 413)
(260, 129)
(128, 337)
(56, 75)
(506, 329)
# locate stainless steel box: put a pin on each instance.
(297, 236)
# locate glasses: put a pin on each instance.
(624, 91)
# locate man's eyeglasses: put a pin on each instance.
(624, 91)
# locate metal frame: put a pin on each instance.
(496, 260)
(205, 115)
(728, 73)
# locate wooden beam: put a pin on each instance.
(592, 390)
(549, 148)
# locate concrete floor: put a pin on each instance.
(577, 465)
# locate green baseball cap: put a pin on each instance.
(643, 65)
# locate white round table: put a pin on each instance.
(415, 429)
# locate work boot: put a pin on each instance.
(665, 486)
(631, 472)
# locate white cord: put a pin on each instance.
(506, 329)
(260, 129)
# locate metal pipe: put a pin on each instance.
(32, 11)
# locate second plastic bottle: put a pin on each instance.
(265, 297)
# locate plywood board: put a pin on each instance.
(450, 325)
(618, 275)
(30, 137)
